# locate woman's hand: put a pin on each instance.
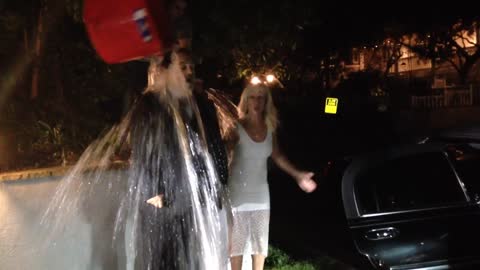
(305, 181)
(156, 201)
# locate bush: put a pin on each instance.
(279, 260)
(276, 257)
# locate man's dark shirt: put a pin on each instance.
(157, 153)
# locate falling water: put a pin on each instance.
(164, 138)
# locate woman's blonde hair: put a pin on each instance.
(270, 112)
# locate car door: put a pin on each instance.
(413, 213)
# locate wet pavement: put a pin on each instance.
(25, 243)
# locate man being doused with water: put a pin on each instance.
(179, 166)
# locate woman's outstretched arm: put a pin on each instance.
(303, 178)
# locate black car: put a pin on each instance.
(470, 134)
(414, 206)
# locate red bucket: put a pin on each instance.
(124, 30)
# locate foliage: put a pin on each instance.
(276, 257)
(242, 38)
(279, 260)
(295, 266)
(455, 44)
(79, 94)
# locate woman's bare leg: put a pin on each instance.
(257, 262)
(236, 262)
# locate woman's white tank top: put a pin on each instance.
(248, 184)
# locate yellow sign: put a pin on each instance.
(331, 105)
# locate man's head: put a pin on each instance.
(187, 66)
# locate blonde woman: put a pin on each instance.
(253, 142)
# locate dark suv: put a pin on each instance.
(415, 206)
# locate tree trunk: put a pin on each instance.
(433, 70)
(463, 74)
(36, 57)
(464, 71)
(25, 41)
(58, 80)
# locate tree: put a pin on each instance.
(382, 57)
(12, 27)
(77, 95)
(456, 44)
(248, 37)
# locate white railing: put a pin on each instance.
(431, 102)
(451, 97)
(458, 97)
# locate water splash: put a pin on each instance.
(165, 136)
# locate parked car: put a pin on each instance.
(466, 134)
(415, 206)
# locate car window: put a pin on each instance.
(413, 182)
(467, 164)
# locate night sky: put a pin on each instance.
(358, 26)
(340, 24)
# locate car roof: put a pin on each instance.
(368, 160)
(463, 134)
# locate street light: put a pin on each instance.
(255, 80)
(270, 78)
(265, 79)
